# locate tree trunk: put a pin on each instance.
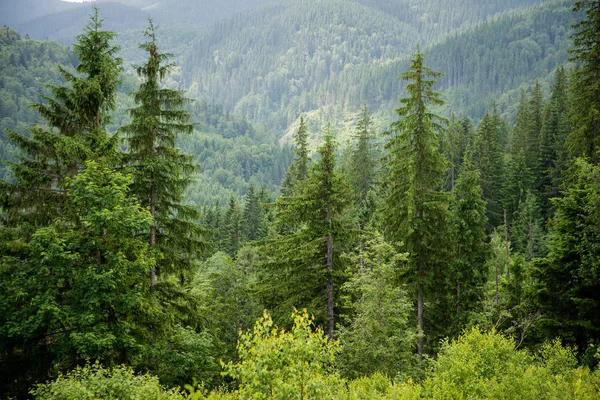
(152, 200)
(329, 266)
(152, 237)
(506, 246)
(420, 342)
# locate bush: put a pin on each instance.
(95, 382)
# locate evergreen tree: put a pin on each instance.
(536, 113)
(527, 233)
(488, 158)
(80, 290)
(585, 137)
(161, 173)
(252, 224)
(230, 234)
(378, 335)
(457, 137)
(76, 116)
(304, 267)
(468, 274)
(569, 276)
(362, 158)
(298, 170)
(553, 155)
(415, 210)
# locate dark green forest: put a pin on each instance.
(365, 199)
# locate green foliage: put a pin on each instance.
(486, 366)
(569, 275)
(284, 365)
(298, 170)
(586, 82)
(76, 116)
(468, 272)
(161, 173)
(377, 335)
(94, 382)
(488, 158)
(302, 267)
(79, 292)
(415, 210)
(229, 299)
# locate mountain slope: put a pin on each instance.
(329, 57)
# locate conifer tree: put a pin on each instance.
(569, 276)
(161, 173)
(553, 155)
(303, 267)
(415, 210)
(362, 158)
(252, 224)
(457, 137)
(298, 170)
(527, 233)
(468, 274)
(230, 235)
(536, 113)
(585, 137)
(488, 158)
(76, 116)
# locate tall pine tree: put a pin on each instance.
(76, 116)
(585, 138)
(415, 210)
(161, 173)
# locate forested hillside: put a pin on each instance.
(345, 55)
(429, 229)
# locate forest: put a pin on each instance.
(355, 221)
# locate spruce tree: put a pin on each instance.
(585, 137)
(298, 170)
(230, 233)
(488, 158)
(303, 267)
(362, 157)
(252, 224)
(569, 276)
(161, 173)
(468, 273)
(553, 155)
(76, 116)
(415, 211)
(536, 113)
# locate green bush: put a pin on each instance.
(94, 382)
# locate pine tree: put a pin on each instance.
(230, 234)
(415, 211)
(362, 157)
(161, 173)
(76, 116)
(252, 224)
(468, 274)
(304, 267)
(488, 158)
(585, 138)
(298, 170)
(569, 276)
(536, 113)
(553, 156)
